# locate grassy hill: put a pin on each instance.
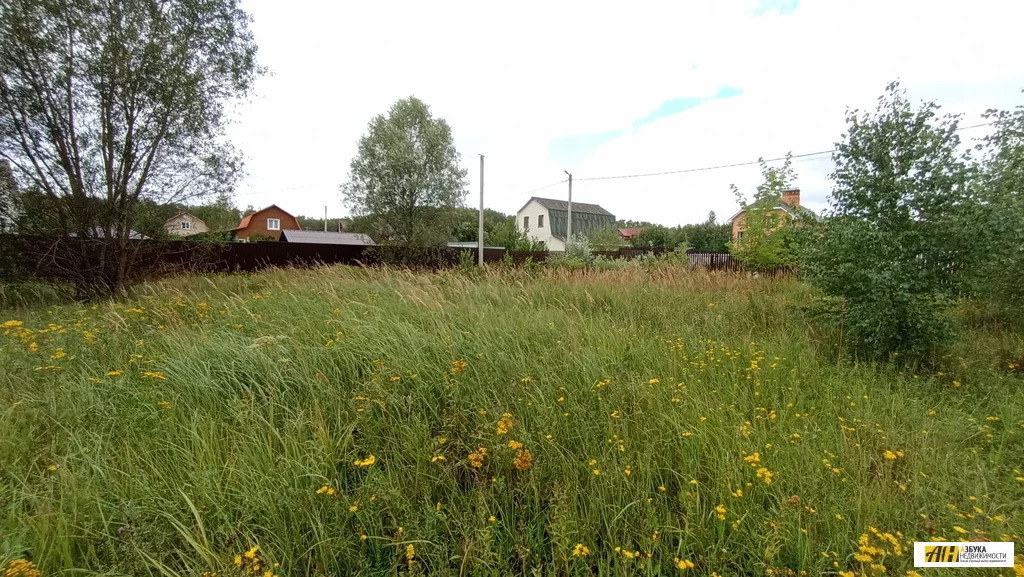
(338, 421)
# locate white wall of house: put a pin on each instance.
(539, 228)
(192, 225)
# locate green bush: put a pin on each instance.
(897, 229)
(578, 247)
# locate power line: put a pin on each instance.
(278, 190)
(546, 186)
(703, 168)
(736, 164)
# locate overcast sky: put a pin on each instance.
(604, 89)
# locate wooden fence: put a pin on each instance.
(27, 257)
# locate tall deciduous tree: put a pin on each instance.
(997, 271)
(117, 101)
(767, 238)
(407, 175)
(897, 230)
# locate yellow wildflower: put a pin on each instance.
(523, 459)
(580, 550)
(365, 462)
(515, 445)
(720, 512)
(506, 422)
(476, 458)
(683, 564)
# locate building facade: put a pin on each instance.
(185, 224)
(546, 220)
(269, 221)
(789, 207)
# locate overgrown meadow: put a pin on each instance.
(645, 420)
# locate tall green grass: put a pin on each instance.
(204, 416)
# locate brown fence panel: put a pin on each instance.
(31, 257)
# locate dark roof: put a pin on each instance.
(321, 237)
(581, 207)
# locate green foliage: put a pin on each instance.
(710, 235)
(706, 236)
(897, 228)
(606, 238)
(767, 238)
(221, 214)
(106, 104)
(578, 247)
(467, 223)
(658, 235)
(408, 174)
(211, 236)
(996, 273)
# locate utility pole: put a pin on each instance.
(325, 218)
(568, 220)
(480, 230)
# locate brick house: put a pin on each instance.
(269, 221)
(788, 208)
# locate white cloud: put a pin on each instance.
(511, 78)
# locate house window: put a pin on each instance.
(540, 221)
(526, 223)
(739, 235)
(185, 225)
(273, 224)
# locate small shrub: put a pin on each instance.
(578, 247)
(602, 262)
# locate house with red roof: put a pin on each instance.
(269, 221)
(631, 232)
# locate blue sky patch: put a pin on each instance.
(677, 105)
(574, 149)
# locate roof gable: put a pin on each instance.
(248, 218)
(182, 213)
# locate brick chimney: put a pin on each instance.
(791, 197)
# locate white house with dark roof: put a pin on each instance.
(546, 220)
